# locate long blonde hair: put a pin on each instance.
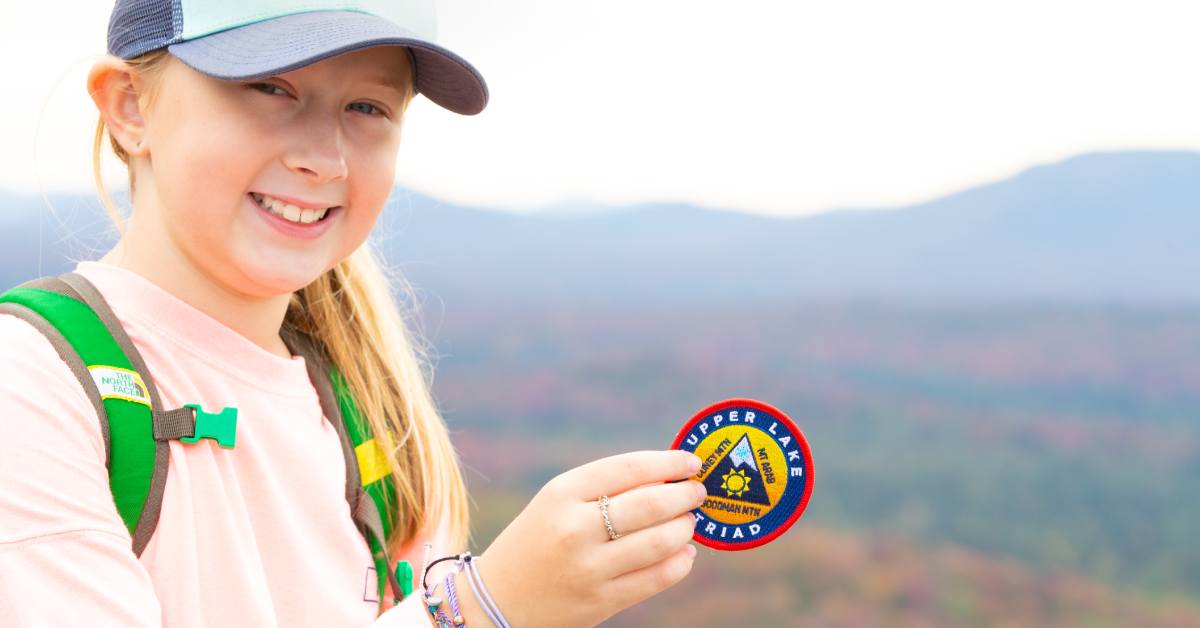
(351, 312)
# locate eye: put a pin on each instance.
(365, 107)
(268, 88)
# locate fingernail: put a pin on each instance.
(691, 550)
(701, 492)
(694, 463)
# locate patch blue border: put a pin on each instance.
(780, 517)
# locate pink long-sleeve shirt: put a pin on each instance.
(259, 535)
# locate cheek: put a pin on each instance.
(206, 164)
(371, 177)
(201, 196)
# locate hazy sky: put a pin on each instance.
(782, 107)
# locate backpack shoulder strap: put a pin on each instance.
(26, 305)
(370, 489)
(81, 326)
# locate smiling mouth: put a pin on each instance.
(290, 212)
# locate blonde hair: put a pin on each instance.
(350, 311)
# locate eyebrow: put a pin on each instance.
(391, 81)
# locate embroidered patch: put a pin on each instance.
(118, 383)
(757, 468)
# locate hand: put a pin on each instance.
(554, 565)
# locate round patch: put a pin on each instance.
(757, 468)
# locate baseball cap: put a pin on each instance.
(251, 39)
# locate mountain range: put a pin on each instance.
(1115, 227)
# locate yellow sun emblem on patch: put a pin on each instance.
(735, 483)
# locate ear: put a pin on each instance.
(112, 87)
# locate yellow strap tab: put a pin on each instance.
(372, 462)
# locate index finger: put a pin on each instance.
(616, 474)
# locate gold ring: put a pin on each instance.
(612, 534)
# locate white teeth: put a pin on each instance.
(289, 211)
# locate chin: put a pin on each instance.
(272, 280)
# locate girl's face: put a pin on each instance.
(223, 154)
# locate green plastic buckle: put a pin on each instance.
(221, 427)
(404, 573)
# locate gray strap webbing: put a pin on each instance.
(174, 424)
(317, 365)
(90, 295)
(158, 481)
(52, 284)
(73, 361)
(367, 517)
(362, 507)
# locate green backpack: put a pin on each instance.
(77, 321)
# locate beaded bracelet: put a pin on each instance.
(452, 597)
(462, 561)
(439, 616)
(429, 596)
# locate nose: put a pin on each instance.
(317, 151)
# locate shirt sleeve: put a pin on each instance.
(65, 555)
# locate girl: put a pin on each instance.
(260, 138)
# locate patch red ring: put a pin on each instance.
(801, 446)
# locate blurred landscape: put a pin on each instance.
(1001, 387)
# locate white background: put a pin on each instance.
(782, 107)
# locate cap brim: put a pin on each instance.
(293, 41)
